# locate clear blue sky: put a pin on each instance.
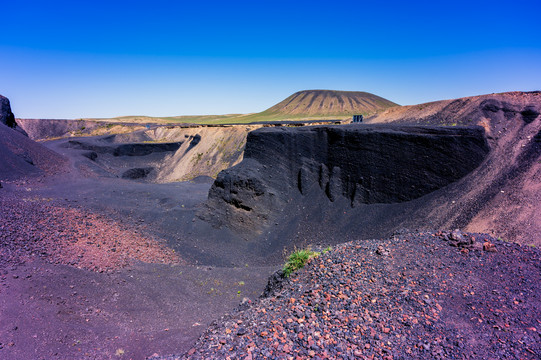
(71, 59)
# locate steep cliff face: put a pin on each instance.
(362, 164)
(161, 153)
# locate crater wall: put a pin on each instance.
(365, 164)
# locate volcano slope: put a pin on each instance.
(503, 196)
(322, 104)
(316, 105)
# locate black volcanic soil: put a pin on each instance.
(79, 282)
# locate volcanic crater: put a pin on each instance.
(133, 241)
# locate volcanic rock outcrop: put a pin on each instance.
(161, 153)
(6, 116)
(21, 157)
(363, 164)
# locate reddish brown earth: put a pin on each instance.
(70, 236)
(412, 296)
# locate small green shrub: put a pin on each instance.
(297, 260)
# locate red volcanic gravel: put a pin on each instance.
(428, 295)
(61, 235)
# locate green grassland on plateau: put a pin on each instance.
(302, 105)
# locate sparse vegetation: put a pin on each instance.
(297, 260)
(197, 158)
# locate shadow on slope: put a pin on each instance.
(21, 157)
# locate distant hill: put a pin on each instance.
(315, 103)
(321, 105)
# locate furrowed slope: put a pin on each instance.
(312, 104)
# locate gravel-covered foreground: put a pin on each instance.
(427, 295)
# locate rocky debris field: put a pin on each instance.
(434, 295)
(32, 226)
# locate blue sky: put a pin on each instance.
(71, 59)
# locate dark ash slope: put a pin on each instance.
(353, 164)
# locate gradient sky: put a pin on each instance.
(71, 59)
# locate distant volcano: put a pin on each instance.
(313, 103)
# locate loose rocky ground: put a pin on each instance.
(79, 283)
(33, 226)
(429, 295)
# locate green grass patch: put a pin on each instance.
(264, 116)
(297, 260)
